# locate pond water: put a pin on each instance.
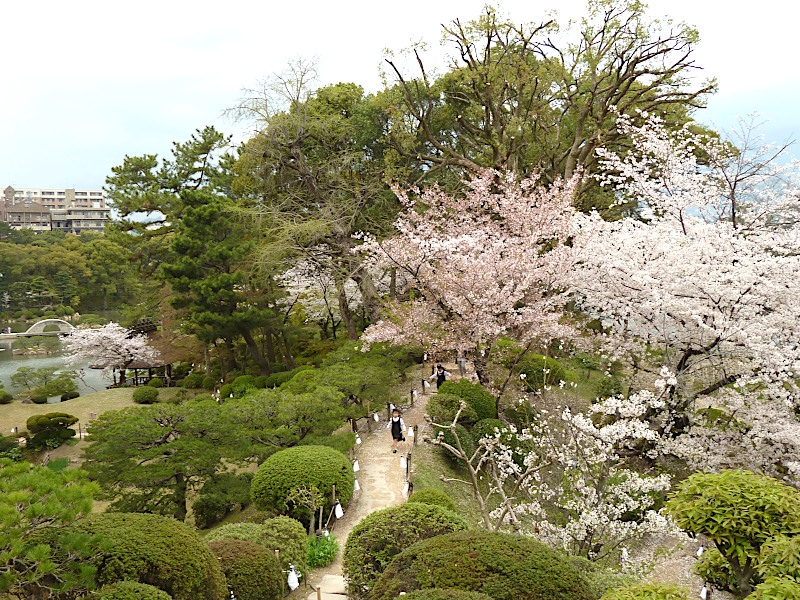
(92, 380)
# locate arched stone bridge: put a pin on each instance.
(38, 328)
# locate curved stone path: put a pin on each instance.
(381, 478)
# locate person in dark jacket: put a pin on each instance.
(398, 428)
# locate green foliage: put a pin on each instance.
(445, 594)
(38, 397)
(541, 370)
(50, 429)
(609, 386)
(433, 497)
(129, 590)
(147, 458)
(145, 395)
(343, 442)
(226, 391)
(38, 550)
(464, 437)
(442, 409)
(278, 379)
(316, 468)
(482, 402)
(600, 578)
(252, 572)
(156, 382)
(261, 381)
(780, 557)
(501, 565)
(778, 588)
(193, 380)
(208, 383)
(647, 591)
(219, 496)
(740, 511)
(6, 397)
(69, 396)
(279, 533)
(322, 551)
(244, 381)
(383, 534)
(158, 551)
(713, 567)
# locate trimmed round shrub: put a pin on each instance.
(261, 381)
(483, 403)
(647, 591)
(156, 550)
(204, 398)
(289, 537)
(50, 429)
(145, 395)
(69, 395)
(39, 398)
(540, 370)
(193, 380)
(501, 565)
(383, 534)
(129, 590)
(301, 467)
(156, 382)
(433, 497)
(5, 397)
(284, 534)
(252, 572)
(244, 381)
(445, 594)
(442, 409)
(226, 390)
(209, 383)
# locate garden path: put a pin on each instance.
(381, 477)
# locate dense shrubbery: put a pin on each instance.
(219, 496)
(464, 436)
(145, 395)
(433, 497)
(193, 380)
(252, 571)
(129, 590)
(156, 550)
(277, 379)
(481, 401)
(321, 551)
(209, 383)
(383, 534)
(284, 534)
(442, 408)
(38, 397)
(501, 565)
(541, 370)
(445, 594)
(69, 395)
(5, 397)
(647, 591)
(50, 429)
(303, 467)
(342, 442)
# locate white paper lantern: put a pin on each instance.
(358, 440)
(356, 467)
(338, 511)
(391, 406)
(700, 551)
(403, 462)
(704, 593)
(405, 489)
(410, 432)
(375, 417)
(356, 487)
(293, 581)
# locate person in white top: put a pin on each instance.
(398, 428)
(440, 374)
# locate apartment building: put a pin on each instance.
(68, 210)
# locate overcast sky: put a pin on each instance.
(83, 83)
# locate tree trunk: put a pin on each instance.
(270, 346)
(369, 294)
(255, 352)
(181, 506)
(347, 315)
(286, 353)
(393, 284)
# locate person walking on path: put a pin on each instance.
(398, 428)
(440, 374)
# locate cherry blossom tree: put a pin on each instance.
(714, 302)
(108, 347)
(478, 265)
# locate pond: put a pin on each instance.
(92, 380)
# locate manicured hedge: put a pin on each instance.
(433, 497)
(445, 594)
(5, 397)
(156, 382)
(129, 590)
(442, 409)
(383, 534)
(482, 402)
(193, 380)
(501, 565)
(145, 395)
(647, 591)
(158, 551)
(50, 427)
(308, 467)
(252, 571)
